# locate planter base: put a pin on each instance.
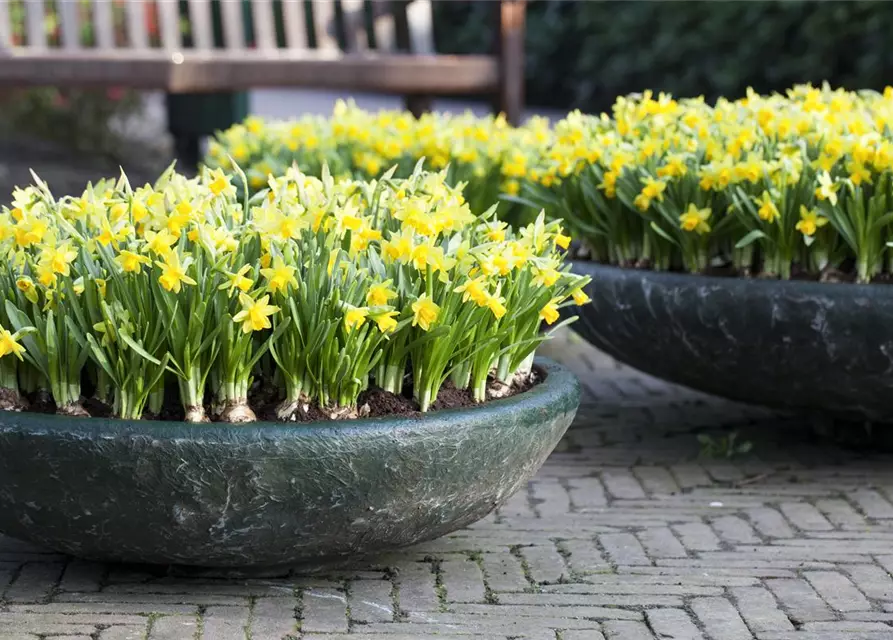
(268, 494)
(814, 347)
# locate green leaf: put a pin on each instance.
(663, 234)
(751, 237)
(130, 342)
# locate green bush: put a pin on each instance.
(584, 54)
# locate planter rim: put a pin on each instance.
(767, 285)
(556, 380)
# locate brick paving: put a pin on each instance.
(627, 533)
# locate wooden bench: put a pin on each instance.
(183, 57)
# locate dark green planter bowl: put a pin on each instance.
(807, 346)
(268, 494)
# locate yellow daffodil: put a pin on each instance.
(767, 211)
(238, 280)
(580, 297)
(386, 321)
(26, 286)
(810, 221)
(827, 189)
(549, 313)
(496, 305)
(131, 262)
(160, 242)
(354, 317)
(695, 219)
(255, 314)
(173, 273)
(280, 276)
(10, 345)
(425, 312)
(380, 294)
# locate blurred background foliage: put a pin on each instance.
(582, 54)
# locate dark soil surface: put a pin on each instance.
(373, 403)
(845, 274)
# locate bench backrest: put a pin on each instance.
(122, 25)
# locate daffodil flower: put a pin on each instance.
(173, 273)
(425, 312)
(255, 314)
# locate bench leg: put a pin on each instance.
(187, 150)
(417, 105)
(510, 49)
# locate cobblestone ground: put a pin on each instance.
(626, 533)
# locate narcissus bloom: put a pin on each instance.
(173, 274)
(255, 314)
(425, 312)
(9, 345)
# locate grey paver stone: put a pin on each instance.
(801, 601)
(697, 536)
(416, 587)
(463, 580)
(872, 503)
(626, 630)
(871, 580)
(503, 571)
(582, 634)
(624, 549)
(324, 610)
(549, 497)
(622, 484)
(586, 493)
(734, 529)
(805, 516)
(769, 522)
(837, 590)
(34, 583)
(273, 617)
(659, 542)
(544, 563)
(760, 609)
(80, 575)
(173, 628)
(720, 619)
(125, 633)
(673, 624)
(225, 623)
(371, 601)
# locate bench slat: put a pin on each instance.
(383, 24)
(34, 19)
(5, 26)
(169, 22)
(233, 71)
(70, 25)
(295, 24)
(356, 38)
(420, 15)
(137, 34)
(233, 26)
(200, 21)
(324, 25)
(264, 29)
(103, 24)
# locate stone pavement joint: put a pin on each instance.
(625, 534)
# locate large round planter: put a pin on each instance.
(268, 494)
(786, 344)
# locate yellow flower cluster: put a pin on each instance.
(316, 286)
(485, 153)
(765, 183)
(769, 183)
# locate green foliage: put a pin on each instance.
(584, 54)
